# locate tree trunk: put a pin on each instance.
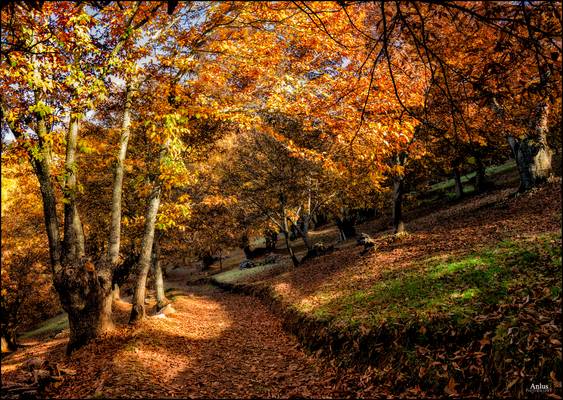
(458, 184)
(294, 259)
(246, 246)
(398, 188)
(115, 292)
(161, 299)
(285, 231)
(7, 344)
(73, 240)
(346, 224)
(42, 171)
(532, 153)
(85, 293)
(138, 310)
(480, 177)
(304, 232)
(115, 228)
(42, 168)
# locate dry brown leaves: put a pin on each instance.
(217, 345)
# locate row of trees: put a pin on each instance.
(210, 122)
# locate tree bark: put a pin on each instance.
(73, 240)
(85, 293)
(115, 227)
(116, 292)
(480, 177)
(138, 310)
(42, 171)
(398, 188)
(285, 231)
(294, 259)
(458, 184)
(532, 153)
(161, 300)
(398, 191)
(304, 231)
(346, 224)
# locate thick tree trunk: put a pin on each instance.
(458, 184)
(85, 293)
(532, 153)
(161, 299)
(398, 188)
(138, 310)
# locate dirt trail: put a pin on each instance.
(217, 345)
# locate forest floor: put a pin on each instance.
(216, 345)
(221, 345)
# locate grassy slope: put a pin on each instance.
(50, 327)
(462, 287)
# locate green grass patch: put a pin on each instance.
(235, 275)
(458, 287)
(491, 172)
(52, 326)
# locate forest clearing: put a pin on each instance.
(281, 199)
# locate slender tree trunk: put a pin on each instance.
(73, 241)
(304, 232)
(480, 177)
(116, 292)
(42, 171)
(246, 246)
(398, 188)
(285, 232)
(398, 191)
(138, 310)
(532, 153)
(458, 184)
(294, 259)
(115, 227)
(161, 299)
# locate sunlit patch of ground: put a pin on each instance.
(216, 345)
(325, 285)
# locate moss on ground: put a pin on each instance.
(236, 275)
(456, 287)
(490, 172)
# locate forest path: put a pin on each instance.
(216, 345)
